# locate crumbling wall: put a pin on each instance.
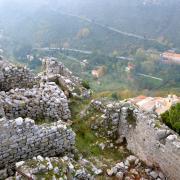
(46, 101)
(155, 145)
(12, 76)
(152, 141)
(21, 139)
(22, 95)
(70, 84)
(52, 67)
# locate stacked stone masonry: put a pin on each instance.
(53, 67)
(57, 72)
(24, 95)
(46, 101)
(12, 76)
(21, 139)
(155, 145)
(152, 141)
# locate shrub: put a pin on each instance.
(177, 127)
(114, 96)
(86, 84)
(172, 118)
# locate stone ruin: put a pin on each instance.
(12, 76)
(21, 139)
(46, 101)
(152, 141)
(23, 97)
(53, 68)
(57, 72)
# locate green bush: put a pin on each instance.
(86, 84)
(172, 118)
(177, 127)
(114, 96)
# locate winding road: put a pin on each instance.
(110, 28)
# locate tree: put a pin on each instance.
(84, 32)
(172, 118)
(85, 84)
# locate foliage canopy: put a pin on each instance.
(172, 118)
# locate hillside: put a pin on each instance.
(141, 30)
(53, 26)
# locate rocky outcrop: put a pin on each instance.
(46, 101)
(152, 141)
(12, 76)
(21, 139)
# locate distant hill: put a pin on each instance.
(45, 25)
(141, 29)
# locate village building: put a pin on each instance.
(99, 72)
(84, 64)
(156, 104)
(130, 67)
(170, 58)
(30, 57)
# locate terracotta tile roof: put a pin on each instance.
(170, 55)
(157, 104)
(137, 99)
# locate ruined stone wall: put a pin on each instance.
(53, 67)
(46, 101)
(22, 95)
(15, 77)
(21, 139)
(57, 72)
(155, 145)
(152, 141)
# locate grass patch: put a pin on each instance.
(86, 140)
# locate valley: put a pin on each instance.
(89, 90)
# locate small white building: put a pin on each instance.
(30, 58)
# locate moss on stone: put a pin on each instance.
(157, 124)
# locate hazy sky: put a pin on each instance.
(22, 1)
(66, 5)
(36, 3)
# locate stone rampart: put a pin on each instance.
(156, 145)
(148, 138)
(46, 101)
(70, 84)
(21, 139)
(12, 76)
